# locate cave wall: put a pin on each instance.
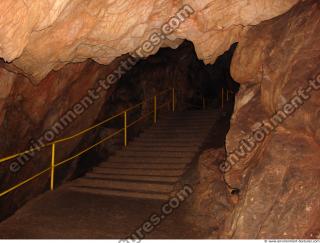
(39, 36)
(277, 167)
(28, 114)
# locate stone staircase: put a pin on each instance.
(153, 163)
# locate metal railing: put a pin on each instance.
(54, 164)
(224, 97)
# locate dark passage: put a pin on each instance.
(115, 191)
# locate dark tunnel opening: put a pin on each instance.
(198, 87)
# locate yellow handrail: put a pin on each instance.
(54, 144)
(89, 148)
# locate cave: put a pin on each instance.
(147, 119)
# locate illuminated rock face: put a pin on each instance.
(40, 36)
(278, 179)
(48, 43)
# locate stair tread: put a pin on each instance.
(163, 144)
(162, 148)
(142, 165)
(156, 160)
(177, 140)
(147, 172)
(124, 185)
(118, 193)
(166, 154)
(151, 165)
(167, 179)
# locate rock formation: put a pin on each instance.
(39, 36)
(47, 47)
(278, 179)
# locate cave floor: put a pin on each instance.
(64, 214)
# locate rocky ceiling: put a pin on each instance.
(37, 36)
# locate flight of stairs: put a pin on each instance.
(153, 163)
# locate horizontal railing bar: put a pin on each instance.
(133, 107)
(87, 130)
(141, 118)
(77, 134)
(23, 153)
(24, 182)
(89, 148)
(38, 148)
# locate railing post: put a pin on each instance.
(125, 136)
(53, 153)
(155, 109)
(173, 100)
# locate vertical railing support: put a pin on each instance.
(173, 100)
(155, 109)
(53, 155)
(125, 131)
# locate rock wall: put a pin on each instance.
(28, 117)
(48, 44)
(40, 36)
(275, 162)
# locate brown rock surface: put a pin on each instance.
(212, 201)
(49, 42)
(40, 36)
(279, 180)
(28, 111)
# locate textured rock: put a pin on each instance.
(40, 36)
(28, 111)
(212, 201)
(45, 41)
(278, 180)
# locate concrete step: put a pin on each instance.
(171, 140)
(138, 147)
(190, 118)
(144, 172)
(168, 129)
(193, 126)
(173, 135)
(156, 144)
(157, 160)
(124, 185)
(193, 112)
(181, 123)
(142, 165)
(165, 179)
(153, 163)
(118, 193)
(179, 130)
(194, 115)
(143, 154)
